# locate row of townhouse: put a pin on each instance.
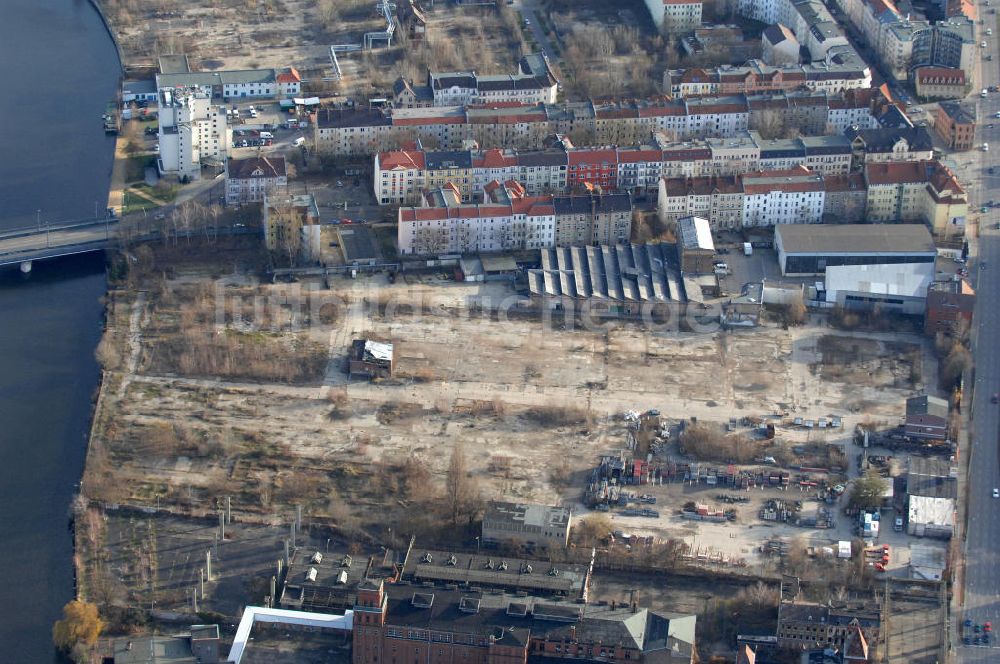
(913, 191)
(365, 131)
(901, 43)
(755, 76)
(509, 220)
(533, 83)
(401, 176)
(763, 198)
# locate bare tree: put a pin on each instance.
(461, 496)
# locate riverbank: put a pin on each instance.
(96, 4)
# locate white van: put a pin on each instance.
(266, 134)
(983, 93)
(986, 147)
(299, 141)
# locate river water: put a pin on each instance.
(60, 69)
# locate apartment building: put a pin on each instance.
(523, 223)
(364, 131)
(249, 180)
(512, 221)
(592, 167)
(533, 83)
(287, 221)
(717, 199)
(886, 145)
(793, 196)
(940, 83)
(855, 108)
(449, 167)
(955, 123)
(923, 191)
(675, 16)
(592, 218)
(755, 76)
(846, 198)
(192, 132)
(821, 154)
(399, 176)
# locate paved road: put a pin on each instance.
(982, 579)
(530, 10)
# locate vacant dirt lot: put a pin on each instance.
(245, 34)
(532, 406)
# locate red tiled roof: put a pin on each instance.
(495, 158)
(404, 159)
(291, 75)
(897, 172)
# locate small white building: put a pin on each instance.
(931, 517)
(779, 46)
(526, 524)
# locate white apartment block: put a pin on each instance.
(533, 83)
(191, 131)
(793, 196)
(675, 16)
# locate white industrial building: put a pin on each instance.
(811, 250)
(899, 287)
(526, 524)
(931, 517)
(192, 132)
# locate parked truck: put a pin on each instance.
(747, 249)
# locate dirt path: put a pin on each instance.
(137, 319)
(116, 195)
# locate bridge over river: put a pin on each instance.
(22, 246)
